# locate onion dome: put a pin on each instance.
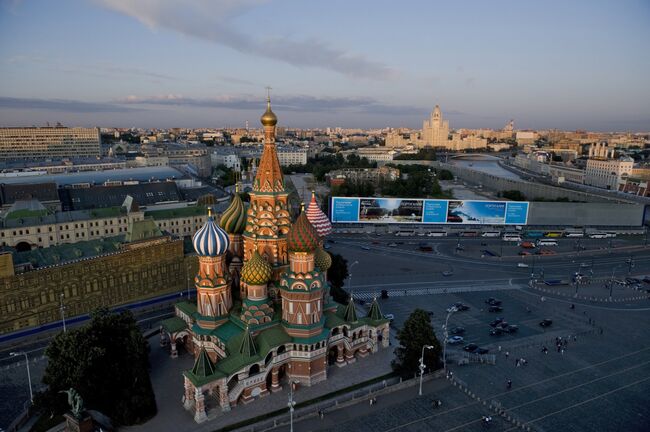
(257, 270)
(317, 218)
(322, 259)
(233, 219)
(302, 236)
(210, 240)
(269, 118)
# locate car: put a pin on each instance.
(633, 281)
(510, 328)
(489, 253)
(524, 253)
(496, 322)
(453, 340)
(392, 244)
(447, 273)
(527, 245)
(546, 322)
(365, 247)
(522, 265)
(497, 331)
(425, 248)
(495, 308)
(389, 317)
(482, 351)
(326, 246)
(470, 347)
(493, 301)
(457, 330)
(460, 306)
(430, 313)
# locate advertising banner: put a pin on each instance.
(428, 211)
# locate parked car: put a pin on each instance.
(545, 322)
(495, 308)
(524, 253)
(493, 301)
(510, 328)
(527, 245)
(364, 247)
(496, 322)
(496, 331)
(389, 317)
(470, 347)
(392, 244)
(453, 340)
(447, 273)
(522, 265)
(457, 330)
(481, 351)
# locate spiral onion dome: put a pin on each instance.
(210, 240)
(256, 271)
(302, 236)
(322, 259)
(317, 218)
(233, 220)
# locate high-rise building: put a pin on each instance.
(435, 131)
(49, 143)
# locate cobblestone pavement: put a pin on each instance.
(168, 386)
(600, 383)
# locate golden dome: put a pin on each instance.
(322, 259)
(269, 118)
(257, 270)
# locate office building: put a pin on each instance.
(49, 143)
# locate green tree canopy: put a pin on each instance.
(336, 275)
(416, 332)
(107, 362)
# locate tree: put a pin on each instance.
(445, 175)
(416, 333)
(513, 195)
(336, 275)
(107, 362)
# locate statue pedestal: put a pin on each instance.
(73, 424)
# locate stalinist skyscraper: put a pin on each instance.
(435, 131)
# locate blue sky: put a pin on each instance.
(205, 63)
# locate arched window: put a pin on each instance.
(282, 349)
(255, 369)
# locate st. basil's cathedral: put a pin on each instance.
(263, 315)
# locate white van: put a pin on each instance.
(546, 242)
(598, 235)
(511, 237)
(491, 234)
(437, 234)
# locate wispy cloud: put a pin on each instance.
(63, 105)
(298, 103)
(209, 20)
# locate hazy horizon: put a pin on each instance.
(205, 64)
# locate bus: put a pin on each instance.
(553, 234)
(514, 237)
(469, 234)
(534, 234)
(546, 242)
(405, 233)
(574, 234)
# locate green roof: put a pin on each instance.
(142, 230)
(107, 212)
(188, 308)
(247, 346)
(25, 213)
(68, 252)
(203, 366)
(350, 313)
(177, 212)
(174, 324)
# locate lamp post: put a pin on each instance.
(611, 282)
(350, 279)
(29, 375)
(444, 348)
(62, 307)
(187, 274)
(630, 265)
(422, 367)
(291, 405)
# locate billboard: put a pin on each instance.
(428, 211)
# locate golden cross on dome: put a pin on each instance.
(209, 211)
(268, 94)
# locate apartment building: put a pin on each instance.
(49, 143)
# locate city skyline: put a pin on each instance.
(161, 63)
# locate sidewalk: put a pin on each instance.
(168, 387)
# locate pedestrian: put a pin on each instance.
(600, 331)
(499, 348)
(562, 351)
(321, 414)
(371, 401)
(507, 354)
(575, 338)
(509, 384)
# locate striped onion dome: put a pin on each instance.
(257, 270)
(322, 259)
(302, 236)
(210, 240)
(233, 220)
(317, 218)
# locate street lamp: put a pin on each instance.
(611, 282)
(291, 404)
(444, 348)
(422, 367)
(62, 307)
(630, 265)
(350, 279)
(29, 375)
